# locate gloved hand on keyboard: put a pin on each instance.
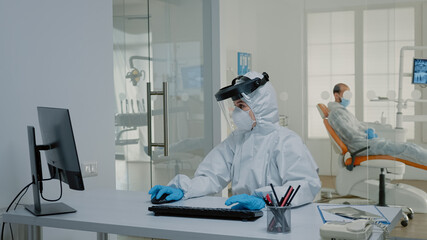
(174, 194)
(370, 133)
(245, 202)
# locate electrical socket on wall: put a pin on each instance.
(89, 169)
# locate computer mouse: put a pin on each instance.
(161, 200)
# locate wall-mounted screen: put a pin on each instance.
(419, 75)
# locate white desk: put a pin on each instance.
(126, 213)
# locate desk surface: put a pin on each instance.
(126, 213)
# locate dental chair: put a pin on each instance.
(361, 175)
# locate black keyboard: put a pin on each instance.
(202, 212)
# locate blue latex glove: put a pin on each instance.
(174, 194)
(370, 133)
(245, 202)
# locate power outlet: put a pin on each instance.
(89, 169)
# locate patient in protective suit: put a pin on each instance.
(356, 134)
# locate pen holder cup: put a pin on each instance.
(278, 219)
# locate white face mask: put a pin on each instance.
(242, 119)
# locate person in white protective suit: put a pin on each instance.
(259, 153)
(357, 135)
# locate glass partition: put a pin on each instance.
(131, 39)
(177, 45)
(370, 47)
(161, 43)
(389, 39)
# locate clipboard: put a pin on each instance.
(363, 212)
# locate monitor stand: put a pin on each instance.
(50, 209)
(37, 208)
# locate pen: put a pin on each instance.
(281, 200)
(295, 193)
(269, 199)
(287, 191)
(288, 194)
(286, 203)
(275, 195)
(272, 223)
(266, 201)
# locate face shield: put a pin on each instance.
(227, 96)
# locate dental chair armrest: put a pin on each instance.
(353, 156)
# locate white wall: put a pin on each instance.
(272, 31)
(56, 53)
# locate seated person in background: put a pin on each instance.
(258, 153)
(356, 134)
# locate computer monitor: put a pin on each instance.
(61, 157)
(419, 75)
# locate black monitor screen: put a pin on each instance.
(419, 75)
(56, 131)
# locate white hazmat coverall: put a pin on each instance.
(352, 132)
(251, 160)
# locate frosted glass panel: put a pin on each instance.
(318, 28)
(316, 128)
(374, 113)
(130, 38)
(393, 57)
(373, 110)
(343, 59)
(330, 59)
(407, 90)
(386, 31)
(375, 25)
(375, 58)
(319, 60)
(317, 86)
(409, 126)
(379, 83)
(409, 55)
(163, 41)
(331, 54)
(342, 27)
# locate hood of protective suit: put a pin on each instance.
(263, 103)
